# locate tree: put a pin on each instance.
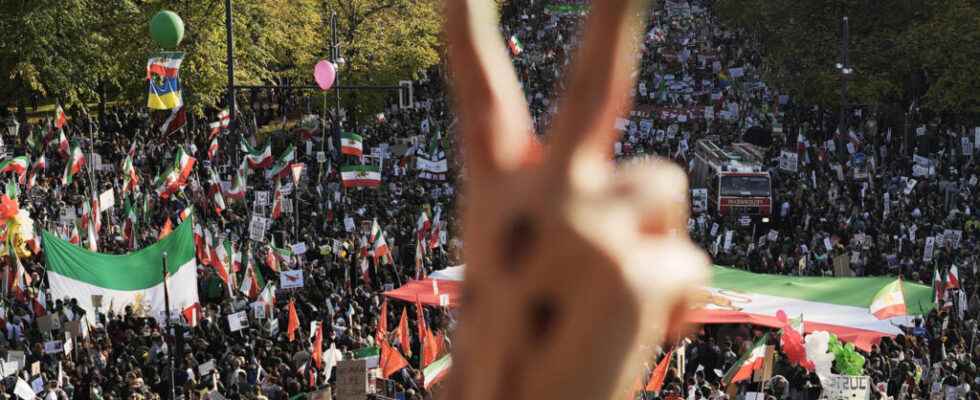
(889, 47)
(71, 50)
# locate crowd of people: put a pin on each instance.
(887, 202)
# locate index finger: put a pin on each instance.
(600, 80)
(493, 113)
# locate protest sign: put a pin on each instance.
(789, 161)
(24, 390)
(299, 248)
(18, 357)
(842, 387)
(262, 198)
(205, 368)
(53, 346)
(258, 310)
(237, 321)
(48, 323)
(699, 200)
(352, 382)
(929, 249)
(256, 229)
(291, 279)
(107, 200)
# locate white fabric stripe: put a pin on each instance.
(182, 287)
(826, 313)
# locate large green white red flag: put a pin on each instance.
(842, 306)
(890, 301)
(135, 279)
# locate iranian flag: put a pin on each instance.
(257, 159)
(134, 279)
(842, 306)
(16, 165)
(41, 163)
(277, 202)
(237, 189)
(129, 226)
(437, 371)
(379, 247)
(63, 143)
(254, 281)
(890, 301)
(185, 164)
(60, 118)
(216, 196)
(516, 47)
(360, 176)
(213, 148)
(749, 362)
(75, 163)
(351, 144)
(130, 177)
(281, 167)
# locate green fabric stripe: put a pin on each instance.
(134, 271)
(359, 168)
(352, 136)
(856, 292)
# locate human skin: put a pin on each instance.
(575, 269)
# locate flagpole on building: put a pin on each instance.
(166, 301)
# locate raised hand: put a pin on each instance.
(573, 266)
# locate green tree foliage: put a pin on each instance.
(69, 49)
(901, 51)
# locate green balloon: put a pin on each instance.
(167, 29)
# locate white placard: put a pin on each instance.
(841, 387)
(321, 156)
(728, 240)
(967, 146)
(299, 248)
(206, 368)
(256, 229)
(291, 279)
(107, 200)
(258, 310)
(444, 300)
(699, 200)
(24, 390)
(789, 161)
(262, 198)
(17, 357)
(930, 248)
(54, 346)
(237, 321)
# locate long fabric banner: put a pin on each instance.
(134, 279)
(837, 305)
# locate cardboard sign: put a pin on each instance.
(352, 382)
(237, 321)
(291, 279)
(96, 300)
(36, 368)
(48, 323)
(840, 387)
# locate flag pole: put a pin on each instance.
(166, 301)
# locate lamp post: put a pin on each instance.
(846, 71)
(338, 62)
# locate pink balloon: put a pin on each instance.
(325, 74)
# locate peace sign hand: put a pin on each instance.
(572, 266)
